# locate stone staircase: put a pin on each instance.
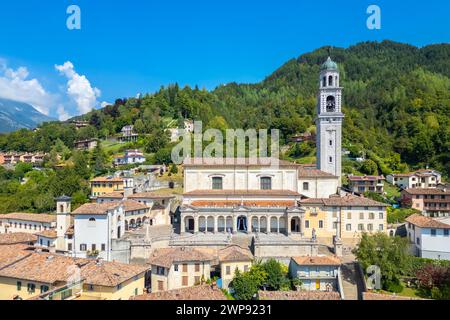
(351, 282)
(242, 240)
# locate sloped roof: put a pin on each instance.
(426, 222)
(348, 200)
(242, 193)
(317, 261)
(247, 162)
(167, 256)
(311, 171)
(298, 295)
(33, 217)
(16, 238)
(150, 195)
(234, 253)
(51, 234)
(204, 292)
(95, 208)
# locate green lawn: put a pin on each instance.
(406, 292)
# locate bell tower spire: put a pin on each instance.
(329, 120)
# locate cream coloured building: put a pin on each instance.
(26, 222)
(179, 267)
(26, 274)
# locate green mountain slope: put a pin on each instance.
(396, 101)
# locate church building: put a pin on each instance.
(251, 196)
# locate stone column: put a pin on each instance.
(278, 225)
(288, 225)
(268, 224)
(182, 226)
(249, 224)
(235, 223)
(196, 224)
(216, 227)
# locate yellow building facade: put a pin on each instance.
(105, 185)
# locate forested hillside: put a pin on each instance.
(396, 101)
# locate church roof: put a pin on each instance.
(330, 65)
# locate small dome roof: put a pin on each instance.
(64, 198)
(330, 65)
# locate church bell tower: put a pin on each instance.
(329, 120)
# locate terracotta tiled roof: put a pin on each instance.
(204, 292)
(34, 217)
(150, 195)
(51, 234)
(110, 274)
(234, 253)
(52, 268)
(427, 191)
(95, 208)
(247, 162)
(426, 222)
(167, 256)
(317, 261)
(41, 267)
(298, 295)
(16, 238)
(348, 200)
(256, 203)
(112, 195)
(380, 296)
(308, 171)
(242, 193)
(365, 178)
(131, 205)
(12, 253)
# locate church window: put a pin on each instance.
(324, 82)
(217, 183)
(307, 224)
(331, 159)
(306, 186)
(348, 227)
(266, 183)
(330, 80)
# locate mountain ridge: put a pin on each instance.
(15, 115)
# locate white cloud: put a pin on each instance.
(79, 88)
(104, 104)
(15, 85)
(63, 115)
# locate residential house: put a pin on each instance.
(362, 184)
(430, 237)
(106, 185)
(96, 225)
(130, 157)
(87, 145)
(424, 178)
(178, 267)
(233, 258)
(346, 217)
(27, 274)
(160, 206)
(433, 202)
(128, 134)
(320, 273)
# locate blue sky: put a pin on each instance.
(127, 47)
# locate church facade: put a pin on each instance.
(251, 196)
